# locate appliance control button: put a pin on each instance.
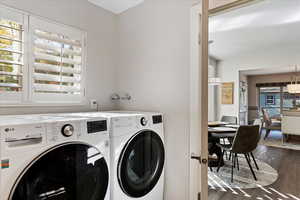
(144, 121)
(67, 130)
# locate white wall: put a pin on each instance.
(154, 69)
(212, 91)
(282, 57)
(101, 58)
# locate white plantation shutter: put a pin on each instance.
(40, 61)
(57, 62)
(11, 55)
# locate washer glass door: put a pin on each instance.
(67, 172)
(141, 163)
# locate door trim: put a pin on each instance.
(231, 6)
(203, 101)
(199, 96)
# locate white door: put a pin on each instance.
(198, 101)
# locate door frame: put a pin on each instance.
(199, 96)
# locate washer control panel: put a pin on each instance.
(63, 131)
(67, 130)
(21, 135)
(96, 126)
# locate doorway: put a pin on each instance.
(246, 39)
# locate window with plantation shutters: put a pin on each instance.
(41, 62)
(11, 55)
(57, 62)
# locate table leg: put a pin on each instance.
(214, 149)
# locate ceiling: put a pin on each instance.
(116, 6)
(265, 71)
(265, 25)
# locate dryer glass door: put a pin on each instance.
(141, 164)
(67, 172)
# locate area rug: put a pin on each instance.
(275, 140)
(243, 178)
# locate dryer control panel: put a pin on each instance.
(157, 119)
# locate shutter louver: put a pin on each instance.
(11, 56)
(57, 63)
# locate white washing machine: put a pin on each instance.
(137, 154)
(54, 158)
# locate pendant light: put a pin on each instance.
(214, 81)
(294, 88)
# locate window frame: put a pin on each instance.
(270, 97)
(27, 90)
(9, 97)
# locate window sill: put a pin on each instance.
(34, 104)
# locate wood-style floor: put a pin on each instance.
(287, 186)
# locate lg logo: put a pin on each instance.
(9, 129)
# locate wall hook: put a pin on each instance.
(115, 97)
(126, 97)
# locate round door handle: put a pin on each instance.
(200, 160)
(204, 161)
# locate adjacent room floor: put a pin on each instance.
(287, 186)
(275, 140)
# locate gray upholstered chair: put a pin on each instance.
(258, 122)
(268, 124)
(245, 142)
(229, 119)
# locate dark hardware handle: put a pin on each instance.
(201, 161)
(23, 139)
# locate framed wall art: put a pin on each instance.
(228, 93)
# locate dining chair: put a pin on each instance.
(268, 124)
(244, 142)
(229, 119)
(258, 122)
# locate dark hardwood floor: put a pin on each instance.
(287, 186)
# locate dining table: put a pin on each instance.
(216, 132)
(216, 123)
(223, 131)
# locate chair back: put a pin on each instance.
(266, 117)
(246, 139)
(229, 119)
(258, 122)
